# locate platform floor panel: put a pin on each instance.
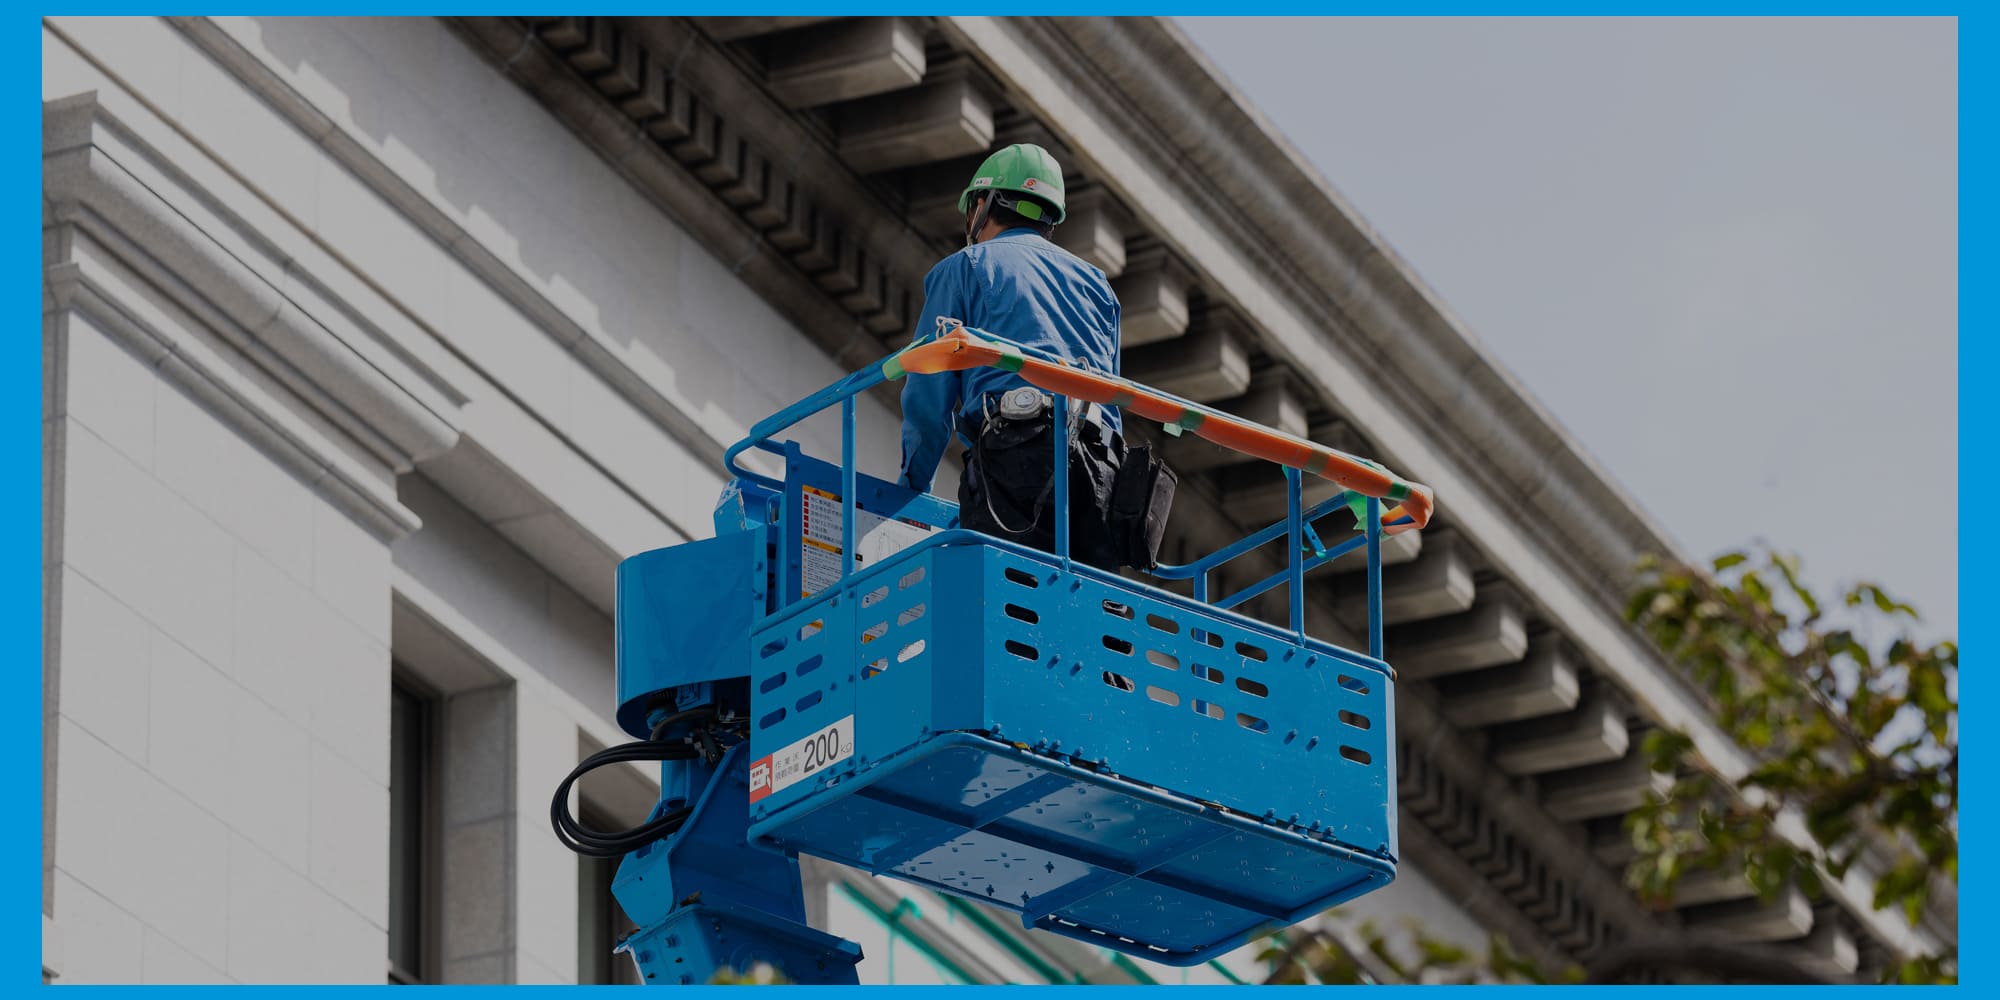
(1081, 854)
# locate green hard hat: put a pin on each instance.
(1023, 168)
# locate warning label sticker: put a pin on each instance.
(798, 761)
(875, 538)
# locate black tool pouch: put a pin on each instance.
(1141, 498)
(1006, 489)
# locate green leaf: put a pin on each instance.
(1665, 748)
(1441, 952)
(1753, 586)
(1789, 568)
(1927, 689)
(1809, 881)
(1757, 732)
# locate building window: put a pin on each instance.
(412, 868)
(600, 922)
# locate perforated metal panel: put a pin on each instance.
(1118, 764)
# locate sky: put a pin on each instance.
(1719, 244)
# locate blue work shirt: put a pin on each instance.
(1019, 286)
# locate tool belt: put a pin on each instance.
(1120, 497)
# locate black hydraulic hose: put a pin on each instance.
(703, 743)
(660, 728)
(596, 843)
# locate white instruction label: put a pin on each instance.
(875, 538)
(778, 771)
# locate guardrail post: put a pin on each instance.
(847, 487)
(1374, 530)
(1060, 432)
(1294, 565)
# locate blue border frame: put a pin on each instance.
(22, 599)
(1976, 411)
(21, 396)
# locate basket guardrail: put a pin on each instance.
(1156, 773)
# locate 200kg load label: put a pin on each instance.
(798, 761)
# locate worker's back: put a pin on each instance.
(1022, 287)
(1034, 292)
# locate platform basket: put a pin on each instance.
(1114, 762)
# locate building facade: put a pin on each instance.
(372, 345)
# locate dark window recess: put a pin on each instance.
(412, 753)
(600, 922)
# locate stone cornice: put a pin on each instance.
(615, 145)
(399, 409)
(136, 216)
(88, 283)
(727, 231)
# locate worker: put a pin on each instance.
(1012, 281)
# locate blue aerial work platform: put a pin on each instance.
(843, 672)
